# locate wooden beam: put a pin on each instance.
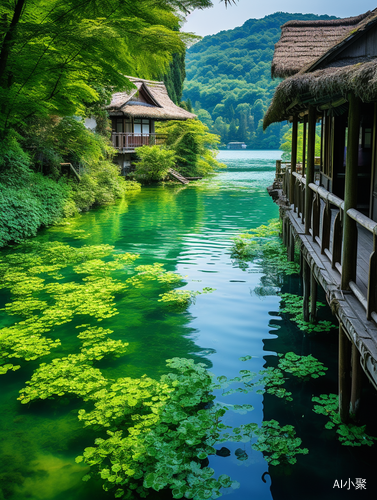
(304, 145)
(357, 379)
(313, 298)
(293, 160)
(349, 254)
(291, 245)
(312, 119)
(306, 289)
(344, 375)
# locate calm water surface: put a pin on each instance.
(189, 230)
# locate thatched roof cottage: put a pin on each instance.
(133, 115)
(330, 83)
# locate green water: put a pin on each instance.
(189, 230)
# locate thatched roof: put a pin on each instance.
(303, 42)
(323, 86)
(326, 80)
(148, 100)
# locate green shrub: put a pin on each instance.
(154, 164)
(37, 202)
(195, 148)
(14, 162)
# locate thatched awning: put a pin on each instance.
(323, 85)
(148, 100)
(303, 42)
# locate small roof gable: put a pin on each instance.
(149, 99)
(304, 42)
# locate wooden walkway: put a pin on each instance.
(177, 176)
(345, 305)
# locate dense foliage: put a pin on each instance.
(154, 163)
(194, 147)
(35, 194)
(229, 83)
(55, 55)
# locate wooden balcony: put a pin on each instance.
(123, 141)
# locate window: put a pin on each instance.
(145, 127)
(137, 126)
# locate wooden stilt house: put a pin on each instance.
(329, 206)
(133, 115)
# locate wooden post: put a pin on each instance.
(337, 240)
(306, 289)
(310, 166)
(372, 280)
(293, 162)
(344, 375)
(304, 145)
(350, 194)
(326, 228)
(357, 378)
(313, 298)
(291, 247)
(316, 215)
(278, 171)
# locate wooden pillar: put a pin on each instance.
(304, 145)
(278, 170)
(344, 375)
(350, 194)
(293, 161)
(357, 379)
(306, 289)
(301, 263)
(284, 230)
(291, 245)
(313, 298)
(312, 119)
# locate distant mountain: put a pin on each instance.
(228, 80)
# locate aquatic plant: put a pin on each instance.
(263, 243)
(348, 434)
(301, 366)
(293, 307)
(33, 277)
(181, 299)
(165, 434)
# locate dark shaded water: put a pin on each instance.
(189, 230)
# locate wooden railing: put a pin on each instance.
(124, 141)
(326, 229)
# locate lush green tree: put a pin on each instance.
(229, 73)
(55, 54)
(154, 163)
(194, 147)
(175, 77)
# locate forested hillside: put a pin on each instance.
(228, 80)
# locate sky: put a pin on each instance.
(218, 18)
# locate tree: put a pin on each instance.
(54, 54)
(194, 147)
(233, 131)
(154, 163)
